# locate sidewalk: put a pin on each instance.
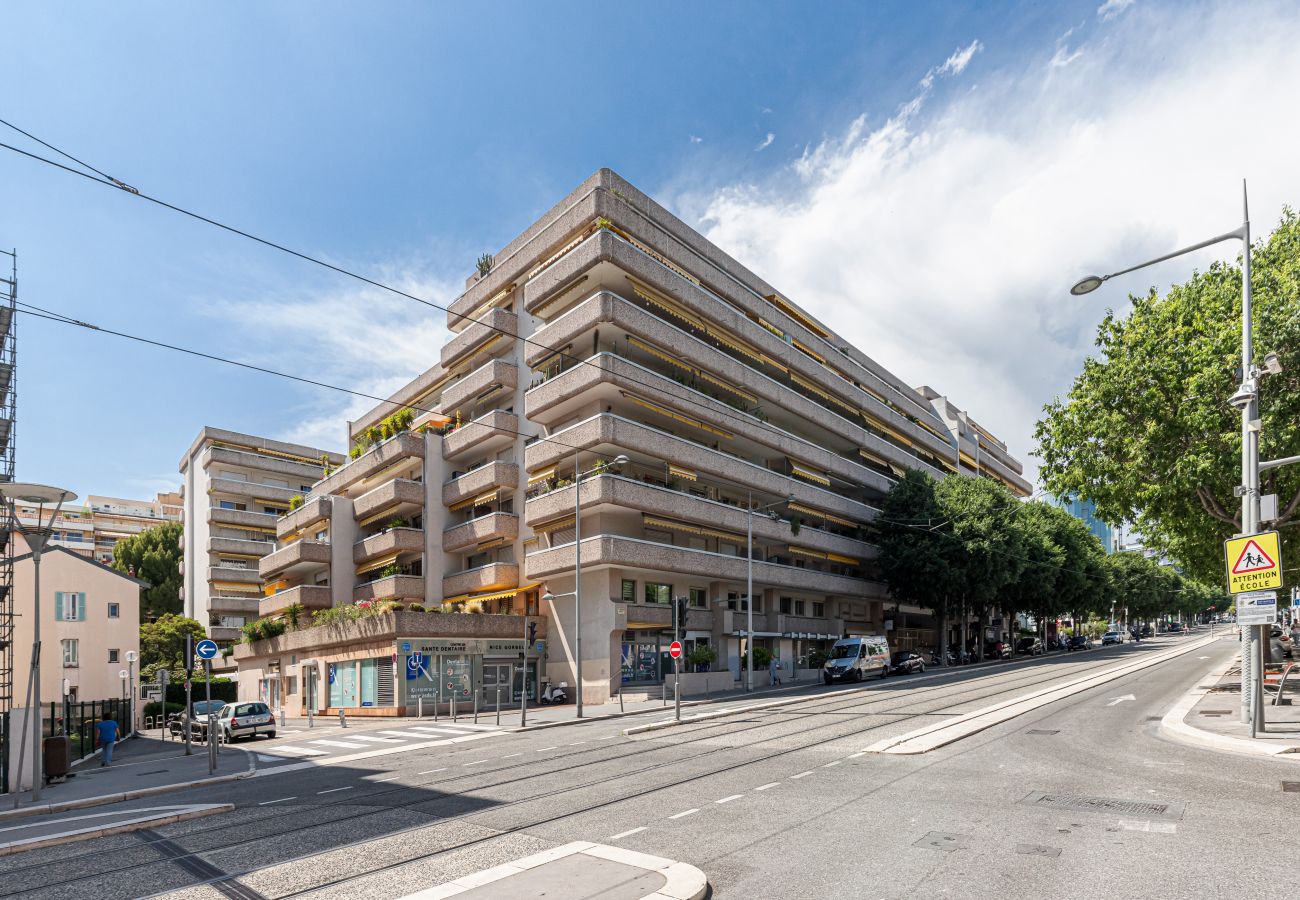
(1209, 715)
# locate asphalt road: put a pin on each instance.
(772, 803)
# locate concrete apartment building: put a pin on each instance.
(235, 487)
(93, 529)
(611, 328)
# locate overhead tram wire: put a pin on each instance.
(110, 181)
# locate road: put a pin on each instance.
(782, 802)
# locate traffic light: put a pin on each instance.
(679, 615)
(532, 633)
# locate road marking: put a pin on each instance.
(544, 749)
(770, 784)
(834, 762)
(431, 771)
(386, 778)
(508, 755)
(1116, 701)
(624, 834)
(344, 744)
(475, 762)
(800, 775)
(609, 737)
(729, 799)
(334, 790)
(405, 734)
(576, 743)
(281, 800)
(299, 751)
(371, 739)
(1143, 825)
(684, 813)
(856, 755)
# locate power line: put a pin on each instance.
(306, 257)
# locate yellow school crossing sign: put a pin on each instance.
(1254, 562)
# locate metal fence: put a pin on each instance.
(77, 720)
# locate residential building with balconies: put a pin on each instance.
(92, 529)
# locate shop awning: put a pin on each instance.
(496, 595)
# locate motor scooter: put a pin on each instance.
(555, 693)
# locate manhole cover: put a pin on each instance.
(1043, 731)
(1037, 850)
(1291, 787)
(937, 840)
(1134, 808)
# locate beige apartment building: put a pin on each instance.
(235, 486)
(90, 620)
(92, 529)
(611, 329)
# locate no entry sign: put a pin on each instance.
(675, 649)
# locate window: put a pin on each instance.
(114, 611)
(69, 653)
(273, 510)
(699, 598)
(629, 591)
(231, 504)
(113, 655)
(658, 593)
(787, 605)
(69, 606)
(818, 609)
(735, 601)
(800, 608)
(306, 489)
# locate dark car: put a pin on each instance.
(997, 650)
(1146, 631)
(905, 661)
(198, 721)
(1175, 628)
(1030, 645)
(1078, 642)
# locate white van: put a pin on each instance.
(856, 657)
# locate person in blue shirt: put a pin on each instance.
(106, 735)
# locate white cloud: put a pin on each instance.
(943, 244)
(765, 142)
(953, 65)
(1063, 57)
(696, 139)
(1112, 8)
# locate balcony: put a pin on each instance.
(486, 434)
(495, 327)
(399, 496)
(476, 531)
(492, 577)
(388, 543)
(636, 553)
(234, 575)
(294, 560)
(224, 633)
(376, 459)
(317, 509)
(492, 374)
(240, 518)
(239, 546)
(480, 481)
(243, 605)
(407, 588)
(253, 490)
(296, 472)
(308, 596)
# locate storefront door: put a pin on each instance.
(496, 685)
(641, 661)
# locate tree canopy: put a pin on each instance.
(155, 555)
(162, 644)
(1145, 431)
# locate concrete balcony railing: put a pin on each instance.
(476, 531)
(407, 588)
(293, 471)
(240, 518)
(226, 633)
(492, 577)
(240, 546)
(659, 614)
(485, 434)
(495, 474)
(298, 557)
(493, 373)
(308, 596)
(494, 326)
(400, 492)
(253, 490)
(234, 575)
(613, 550)
(317, 509)
(791, 624)
(629, 493)
(376, 459)
(386, 543)
(244, 604)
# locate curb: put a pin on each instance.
(86, 834)
(1174, 727)
(68, 805)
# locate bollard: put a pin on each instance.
(435, 708)
(663, 693)
(498, 705)
(343, 721)
(476, 707)
(453, 706)
(620, 699)
(419, 707)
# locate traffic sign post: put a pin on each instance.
(189, 677)
(1257, 608)
(1254, 562)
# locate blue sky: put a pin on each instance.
(868, 158)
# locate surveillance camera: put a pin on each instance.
(1244, 395)
(1272, 364)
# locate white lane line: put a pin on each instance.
(344, 744)
(684, 813)
(335, 790)
(281, 800)
(431, 771)
(544, 749)
(385, 778)
(770, 784)
(607, 737)
(508, 755)
(475, 762)
(623, 834)
(576, 743)
(800, 775)
(856, 755)
(833, 762)
(729, 799)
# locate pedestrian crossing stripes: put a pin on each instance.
(392, 738)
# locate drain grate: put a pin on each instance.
(1291, 787)
(1037, 850)
(1133, 808)
(1043, 731)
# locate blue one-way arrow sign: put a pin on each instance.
(206, 649)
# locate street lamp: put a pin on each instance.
(749, 583)
(121, 674)
(130, 683)
(39, 496)
(548, 597)
(1246, 398)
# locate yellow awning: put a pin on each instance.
(238, 587)
(677, 417)
(804, 551)
(278, 504)
(543, 475)
(823, 515)
(258, 528)
(804, 348)
(795, 313)
(871, 457)
(556, 525)
(655, 522)
(497, 595)
(476, 501)
(377, 563)
(490, 543)
(809, 474)
(847, 560)
(654, 298)
(226, 555)
(680, 472)
(699, 373)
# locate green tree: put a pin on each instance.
(155, 557)
(1145, 432)
(162, 644)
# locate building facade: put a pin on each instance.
(1086, 512)
(92, 529)
(610, 330)
(235, 486)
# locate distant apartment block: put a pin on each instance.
(92, 529)
(235, 487)
(1086, 512)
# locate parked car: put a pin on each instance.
(1111, 637)
(904, 662)
(1031, 646)
(1175, 627)
(197, 721)
(854, 658)
(238, 720)
(997, 650)
(1147, 631)
(1078, 642)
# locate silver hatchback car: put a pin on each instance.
(238, 720)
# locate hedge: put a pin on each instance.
(221, 690)
(154, 707)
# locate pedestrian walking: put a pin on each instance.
(1295, 637)
(774, 671)
(106, 737)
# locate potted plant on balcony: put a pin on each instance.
(390, 570)
(484, 264)
(295, 502)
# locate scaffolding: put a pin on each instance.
(8, 406)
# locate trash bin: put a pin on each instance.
(57, 756)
